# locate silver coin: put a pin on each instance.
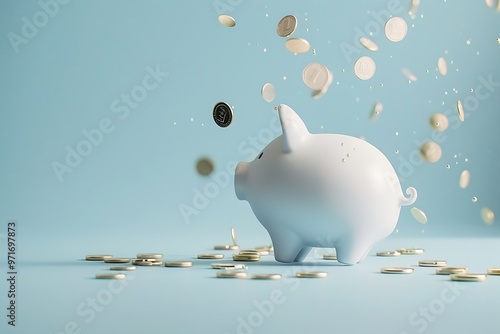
(286, 26)
(223, 114)
(396, 270)
(110, 276)
(364, 68)
(233, 236)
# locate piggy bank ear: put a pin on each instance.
(294, 129)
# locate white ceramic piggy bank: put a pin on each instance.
(321, 190)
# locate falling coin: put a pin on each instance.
(487, 215)
(377, 109)
(364, 68)
(431, 151)
(268, 92)
(316, 76)
(286, 26)
(226, 20)
(204, 166)
(419, 215)
(460, 109)
(464, 179)
(368, 44)
(233, 236)
(442, 67)
(223, 114)
(414, 6)
(408, 74)
(439, 122)
(396, 29)
(297, 45)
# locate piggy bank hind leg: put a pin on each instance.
(288, 247)
(352, 250)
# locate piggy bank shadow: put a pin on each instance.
(295, 264)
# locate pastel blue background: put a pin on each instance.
(126, 196)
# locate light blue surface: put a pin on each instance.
(127, 194)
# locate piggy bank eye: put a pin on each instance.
(260, 155)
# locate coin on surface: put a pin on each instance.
(97, 257)
(110, 276)
(468, 277)
(311, 274)
(396, 270)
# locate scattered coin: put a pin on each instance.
(179, 264)
(364, 68)
(231, 274)
(267, 276)
(286, 26)
(377, 109)
(494, 271)
(451, 270)
(268, 92)
(442, 66)
(329, 256)
(311, 274)
(368, 44)
(117, 260)
(460, 109)
(110, 276)
(439, 122)
(432, 263)
(270, 248)
(487, 215)
(418, 215)
(210, 256)
(228, 266)
(249, 251)
(411, 251)
(389, 253)
(227, 20)
(123, 268)
(156, 256)
(223, 114)
(316, 76)
(146, 262)
(246, 257)
(468, 277)
(414, 6)
(396, 270)
(226, 247)
(204, 166)
(297, 45)
(408, 74)
(396, 29)
(464, 179)
(97, 257)
(431, 151)
(233, 236)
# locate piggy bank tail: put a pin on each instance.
(409, 200)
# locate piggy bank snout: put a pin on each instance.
(240, 176)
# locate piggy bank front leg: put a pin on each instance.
(302, 254)
(352, 250)
(287, 245)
